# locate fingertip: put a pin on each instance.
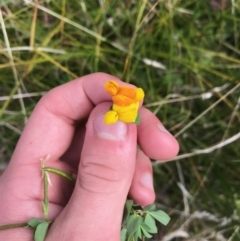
(144, 198)
(142, 190)
(154, 139)
(171, 145)
(158, 145)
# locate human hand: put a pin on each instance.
(106, 160)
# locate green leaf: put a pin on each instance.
(151, 207)
(123, 234)
(150, 222)
(139, 233)
(41, 231)
(160, 216)
(127, 211)
(133, 223)
(143, 225)
(34, 222)
(131, 238)
(145, 233)
(137, 120)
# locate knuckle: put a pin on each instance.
(100, 177)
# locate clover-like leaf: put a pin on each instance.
(139, 233)
(150, 222)
(145, 233)
(160, 216)
(133, 223)
(127, 211)
(34, 222)
(143, 225)
(123, 234)
(41, 231)
(151, 207)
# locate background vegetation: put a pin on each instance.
(184, 54)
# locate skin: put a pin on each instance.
(65, 125)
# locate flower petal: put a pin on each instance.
(127, 114)
(110, 117)
(112, 87)
(127, 91)
(139, 94)
(122, 100)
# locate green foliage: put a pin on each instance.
(41, 227)
(161, 216)
(41, 231)
(123, 234)
(127, 211)
(34, 222)
(140, 222)
(150, 222)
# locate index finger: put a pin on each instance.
(51, 126)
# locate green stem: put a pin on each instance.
(14, 225)
(45, 194)
(45, 180)
(60, 173)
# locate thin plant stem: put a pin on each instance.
(60, 173)
(45, 191)
(14, 225)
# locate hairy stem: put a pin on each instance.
(60, 173)
(14, 225)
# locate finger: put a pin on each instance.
(142, 191)
(72, 155)
(155, 141)
(105, 174)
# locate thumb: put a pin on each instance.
(106, 169)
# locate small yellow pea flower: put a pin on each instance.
(127, 114)
(125, 103)
(123, 95)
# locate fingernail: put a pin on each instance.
(163, 129)
(116, 131)
(147, 181)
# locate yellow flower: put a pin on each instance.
(127, 114)
(123, 95)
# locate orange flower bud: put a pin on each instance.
(123, 95)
